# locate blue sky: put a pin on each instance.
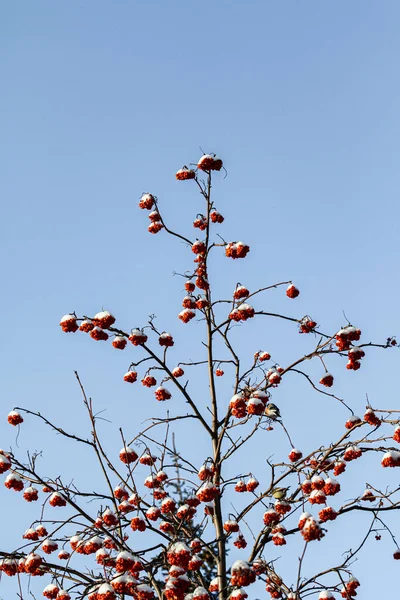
(102, 101)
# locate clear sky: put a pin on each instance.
(104, 100)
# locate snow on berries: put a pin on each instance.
(86, 326)
(31, 534)
(98, 334)
(56, 499)
(138, 524)
(147, 201)
(130, 376)
(292, 291)
(350, 587)
(168, 505)
(147, 459)
(154, 216)
(14, 418)
(317, 497)
(352, 421)
(240, 486)
(278, 539)
(339, 467)
(216, 217)
(242, 574)
(396, 434)
(149, 381)
(327, 380)
(199, 247)
(190, 287)
(255, 406)
(162, 394)
(137, 337)
(274, 377)
(207, 492)
(119, 342)
(311, 530)
(331, 486)
(240, 542)
(307, 325)
(49, 546)
(33, 562)
(237, 406)
(295, 455)
(271, 517)
(326, 595)
(236, 250)
(282, 507)
(14, 482)
(128, 455)
(186, 315)
(177, 372)
(103, 319)
(68, 323)
(368, 496)
(352, 453)
(179, 554)
(371, 418)
(231, 526)
(51, 591)
(252, 484)
(155, 227)
(346, 336)
(41, 531)
(327, 514)
(355, 354)
(391, 459)
(200, 593)
(31, 494)
(242, 312)
(185, 174)
(209, 162)
(206, 471)
(153, 513)
(166, 340)
(240, 292)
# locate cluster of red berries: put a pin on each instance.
(310, 528)
(243, 312)
(292, 291)
(146, 202)
(191, 304)
(249, 402)
(14, 418)
(236, 250)
(242, 574)
(346, 336)
(209, 162)
(355, 354)
(327, 380)
(371, 418)
(200, 222)
(95, 327)
(184, 174)
(349, 589)
(250, 486)
(307, 325)
(391, 459)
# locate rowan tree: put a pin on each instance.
(167, 522)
